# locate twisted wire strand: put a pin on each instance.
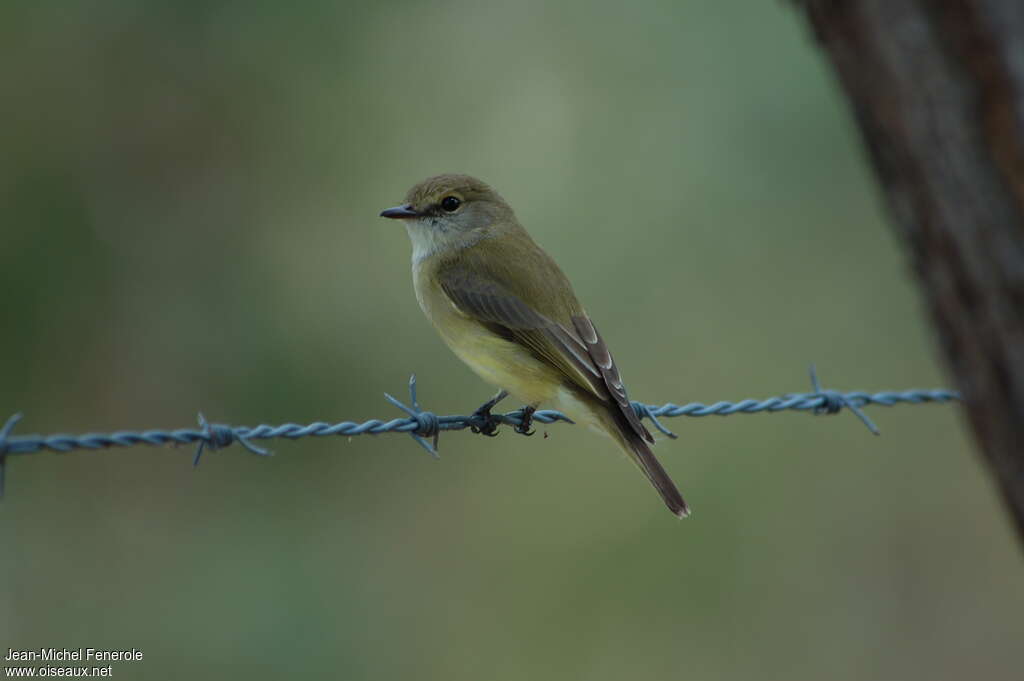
(219, 435)
(425, 426)
(422, 425)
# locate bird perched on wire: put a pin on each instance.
(507, 310)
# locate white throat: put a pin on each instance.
(428, 238)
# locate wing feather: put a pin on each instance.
(575, 349)
(599, 352)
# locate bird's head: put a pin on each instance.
(449, 212)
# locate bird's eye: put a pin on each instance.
(450, 204)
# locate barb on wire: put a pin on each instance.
(217, 436)
(4, 434)
(425, 427)
(427, 421)
(833, 401)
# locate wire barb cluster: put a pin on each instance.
(425, 427)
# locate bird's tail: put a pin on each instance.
(640, 452)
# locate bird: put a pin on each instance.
(506, 309)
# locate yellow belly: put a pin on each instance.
(514, 369)
(504, 364)
(496, 360)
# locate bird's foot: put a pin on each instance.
(524, 427)
(488, 423)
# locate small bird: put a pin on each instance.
(507, 310)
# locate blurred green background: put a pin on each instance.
(189, 196)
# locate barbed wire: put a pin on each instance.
(425, 426)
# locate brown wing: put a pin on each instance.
(574, 349)
(601, 357)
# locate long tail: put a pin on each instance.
(640, 452)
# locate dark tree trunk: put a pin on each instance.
(937, 88)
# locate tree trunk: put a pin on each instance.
(937, 89)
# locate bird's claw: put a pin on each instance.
(524, 427)
(490, 427)
(489, 422)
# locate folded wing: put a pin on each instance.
(571, 345)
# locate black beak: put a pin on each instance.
(399, 213)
